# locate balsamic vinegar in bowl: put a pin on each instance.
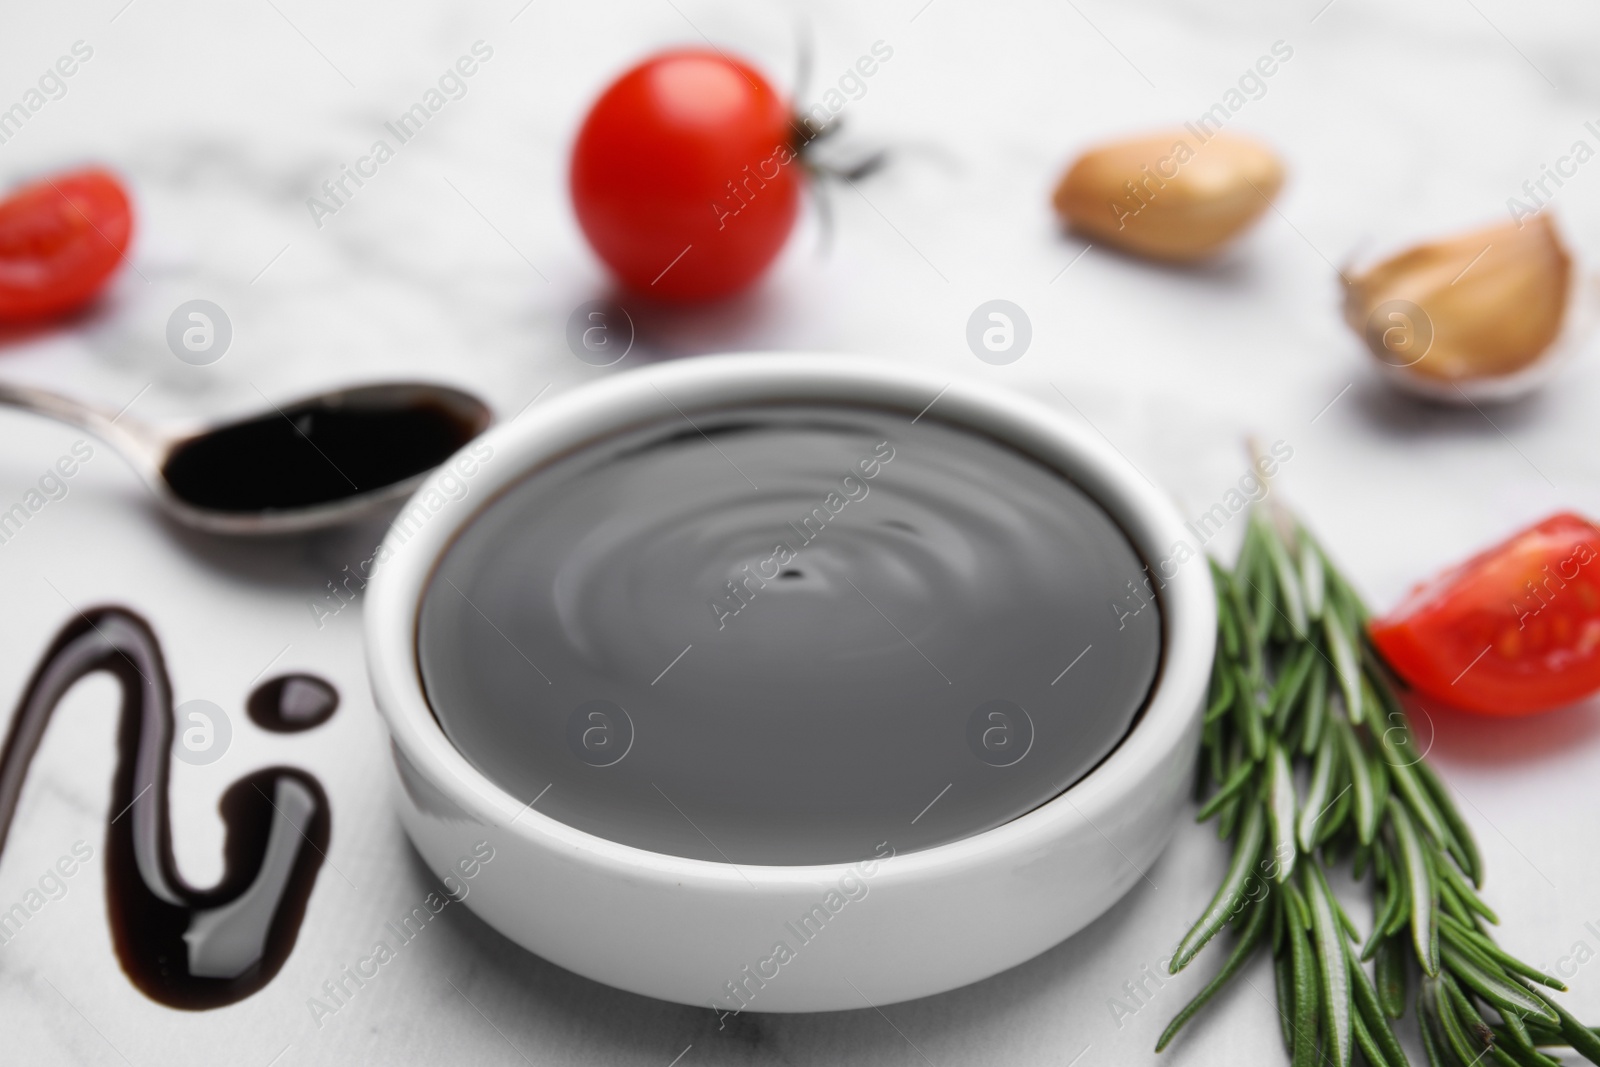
(789, 632)
(792, 682)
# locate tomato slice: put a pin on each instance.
(1513, 630)
(60, 240)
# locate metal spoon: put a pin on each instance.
(151, 451)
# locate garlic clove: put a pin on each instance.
(1470, 316)
(1169, 196)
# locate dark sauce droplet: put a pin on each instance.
(183, 947)
(314, 453)
(292, 703)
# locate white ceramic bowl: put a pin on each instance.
(706, 933)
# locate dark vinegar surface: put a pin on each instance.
(312, 454)
(184, 947)
(292, 703)
(790, 637)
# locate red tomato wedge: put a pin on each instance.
(686, 175)
(1512, 631)
(61, 239)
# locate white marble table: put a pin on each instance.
(459, 260)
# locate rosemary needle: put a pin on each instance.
(1313, 767)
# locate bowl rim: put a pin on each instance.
(598, 409)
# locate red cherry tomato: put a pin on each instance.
(1512, 631)
(685, 176)
(60, 241)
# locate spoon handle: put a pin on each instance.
(134, 440)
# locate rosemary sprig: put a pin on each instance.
(1309, 761)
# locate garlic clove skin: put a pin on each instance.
(1473, 317)
(1169, 196)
